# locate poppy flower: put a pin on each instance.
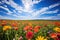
(53, 35)
(14, 24)
(36, 29)
(26, 28)
(29, 34)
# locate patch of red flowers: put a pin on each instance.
(57, 23)
(26, 28)
(53, 35)
(15, 24)
(29, 35)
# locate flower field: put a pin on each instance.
(29, 30)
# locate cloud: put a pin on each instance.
(44, 9)
(36, 1)
(51, 12)
(28, 4)
(56, 17)
(9, 12)
(27, 8)
(40, 11)
(13, 4)
(54, 5)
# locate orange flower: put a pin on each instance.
(15, 24)
(36, 29)
(53, 35)
(26, 28)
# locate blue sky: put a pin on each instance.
(30, 9)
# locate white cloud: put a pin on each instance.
(54, 5)
(44, 9)
(28, 8)
(39, 11)
(51, 12)
(9, 12)
(36, 1)
(13, 4)
(0, 2)
(28, 4)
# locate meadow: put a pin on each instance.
(29, 29)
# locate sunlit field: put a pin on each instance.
(29, 29)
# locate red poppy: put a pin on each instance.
(29, 34)
(53, 35)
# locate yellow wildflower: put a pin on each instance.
(6, 28)
(41, 38)
(57, 29)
